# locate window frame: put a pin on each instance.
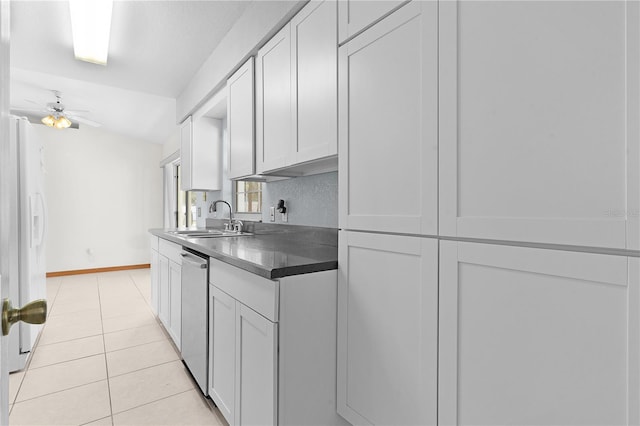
(234, 198)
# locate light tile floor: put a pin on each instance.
(103, 359)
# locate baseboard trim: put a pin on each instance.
(96, 270)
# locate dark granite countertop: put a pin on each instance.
(273, 251)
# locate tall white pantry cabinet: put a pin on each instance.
(489, 268)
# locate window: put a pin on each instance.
(187, 209)
(247, 196)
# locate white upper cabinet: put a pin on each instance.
(315, 81)
(387, 329)
(296, 91)
(274, 131)
(240, 121)
(201, 154)
(539, 122)
(388, 124)
(537, 337)
(356, 15)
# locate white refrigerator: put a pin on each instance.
(30, 207)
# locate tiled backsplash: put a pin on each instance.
(310, 200)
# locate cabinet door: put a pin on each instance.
(388, 124)
(536, 337)
(201, 154)
(356, 15)
(539, 121)
(186, 137)
(155, 281)
(256, 368)
(274, 129)
(387, 329)
(240, 121)
(163, 293)
(222, 340)
(175, 302)
(314, 52)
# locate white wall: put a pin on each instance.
(172, 144)
(104, 191)
(260, 21)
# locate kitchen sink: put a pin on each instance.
(207, 233)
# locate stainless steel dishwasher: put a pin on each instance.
(195, 298)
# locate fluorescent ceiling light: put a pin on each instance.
(91, 25)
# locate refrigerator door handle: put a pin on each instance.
(37, 214)
(45, 218)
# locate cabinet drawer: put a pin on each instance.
(170, 250)
(153, 242)
(260, 294)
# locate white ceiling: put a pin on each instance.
(155, 49)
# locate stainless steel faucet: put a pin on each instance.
(212, 208)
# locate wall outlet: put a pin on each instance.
(199, 212)
(285, 217)
(272, 214)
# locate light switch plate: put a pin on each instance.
(272, 214)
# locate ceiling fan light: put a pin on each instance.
(91, 27)
(62, 123)
(49, 120)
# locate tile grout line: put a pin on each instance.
(147, 302)
(104, 347)
(152, 402)
(63, 362)
(60, 391)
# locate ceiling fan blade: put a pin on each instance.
(76, 111)
(84, 121)
(28, 110)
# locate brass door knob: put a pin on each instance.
(33, 312)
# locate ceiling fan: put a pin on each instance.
(58, 116)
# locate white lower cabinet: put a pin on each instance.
(387, 329)
(272, 347)
(256, 368)
(175, 302)
(537, 337)
(168, 293)
(155, 274)
(163, 290)
(222, 349)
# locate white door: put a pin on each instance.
(256, 368)
(314, 58)
(540, 121)
(387, 329)
(163, 293)
(175, 302)
(186, 155)
(222, 337)
(356, 15)
(240, 121)
(537, 337)
(5, 202)
(155, 279)
(388, 124)
(274, 131)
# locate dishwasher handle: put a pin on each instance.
(194, 260)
